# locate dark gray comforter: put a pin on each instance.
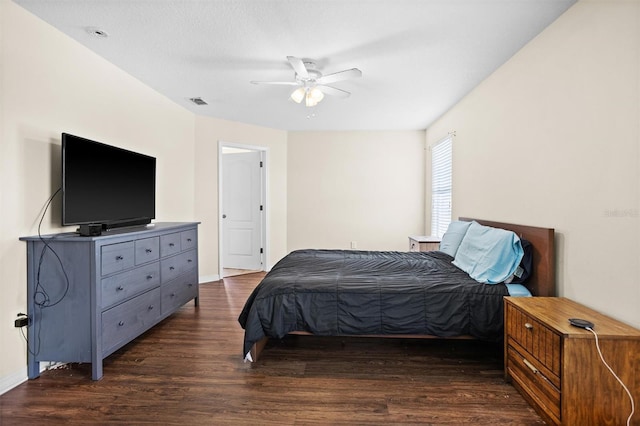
(344, 292)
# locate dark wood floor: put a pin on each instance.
(189, 370)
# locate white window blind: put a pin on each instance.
(441, 186)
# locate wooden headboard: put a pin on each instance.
(543, 280)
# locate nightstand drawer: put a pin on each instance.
(533, 337)
(557, 368)
(422, 243)
(533, 381)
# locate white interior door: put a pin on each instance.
(242, 210)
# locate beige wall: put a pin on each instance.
(43, 95)
(552, 139)
(50, 84)
(209, 131)
(366, 187)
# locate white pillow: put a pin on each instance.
(453, 237)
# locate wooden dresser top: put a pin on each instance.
(555, 312)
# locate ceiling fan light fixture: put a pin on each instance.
(309, 101)
(309, 80)
(298, 95)
(314, 96)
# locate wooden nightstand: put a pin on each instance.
(556, 366)
(424, 243)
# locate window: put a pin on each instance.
(441, 186)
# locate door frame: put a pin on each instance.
(264, 231)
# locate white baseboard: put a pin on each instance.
(16, 379)
(208, 278)
(12, 380)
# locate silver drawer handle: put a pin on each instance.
(149, 277)
(531, 367)
(150, 307)
(188, 240)
(148, 250)
(120, 288)
(171, 268)
(171, 244)
(190, 285)
(121, 323)
(189, 260)
(528, 326)
(119, 258)
(173, 295)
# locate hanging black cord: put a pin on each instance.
(41, 298)
(40, 291)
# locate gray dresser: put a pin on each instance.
(108, 290)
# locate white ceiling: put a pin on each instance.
(418, 57)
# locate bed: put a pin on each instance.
(388, 294)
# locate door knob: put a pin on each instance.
(224, 216)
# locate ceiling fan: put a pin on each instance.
(312, 85)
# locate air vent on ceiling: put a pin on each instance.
(97, 32)
(198, 101)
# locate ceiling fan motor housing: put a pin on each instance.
(312, 85)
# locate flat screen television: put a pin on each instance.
(105, 185)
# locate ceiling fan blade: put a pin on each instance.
(328, 90)
(298, 66)
(282, 83)
(339, 76)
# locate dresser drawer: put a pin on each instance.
(147, 250)
(173, 266)
(117, 257)
(179, 291)
(522, 369)
(542, 343)
(170, 244)
(127, 320)
(119, 287)
(188, 239)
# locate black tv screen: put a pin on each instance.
(103, 184)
